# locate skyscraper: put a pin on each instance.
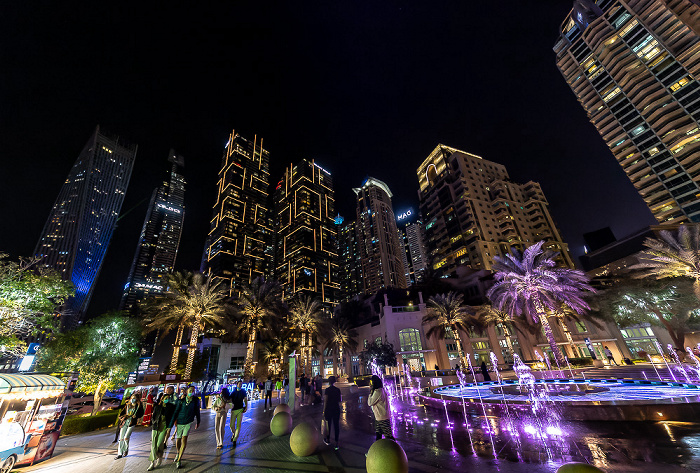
(157, 248)
(76, 235)
(473, 212)
(380, 250)
(632, 66)
(239, 246)
(417, 256)
(306, 258)
(350, 263)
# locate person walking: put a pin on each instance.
(163, 410)
(239, 400)
(221, 407)
(186, 411)
(278, 387)
(268, 392)
(485, 372)
(285, 386)
(377, 400)
(129, 417)
(318, 388)
(148, 408)
(609, 355)
(331, 411)
(303, 384)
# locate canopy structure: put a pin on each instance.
(26, 384)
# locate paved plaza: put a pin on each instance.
(430, 446)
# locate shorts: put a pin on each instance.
(183, 430)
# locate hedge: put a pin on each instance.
(77, 424)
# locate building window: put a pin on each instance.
(409, 338)
(581, 327)
(237, 363)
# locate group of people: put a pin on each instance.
(311, 389)
(278, 385)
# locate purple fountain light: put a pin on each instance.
(661, 352)
(678, 362)
(695, 359)
(483, 408)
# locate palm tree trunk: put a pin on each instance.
(97, 397)
(192, 349)
(550, 338)
(248, 370)
(460, 350)
(176, 349)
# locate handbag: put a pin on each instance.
(324, 427)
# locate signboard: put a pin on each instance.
(404, 215)
(29, 357)
(590, 348)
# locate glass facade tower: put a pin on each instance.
(76, 235)
(632, 66)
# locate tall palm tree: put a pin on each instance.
(306, 316)
(530, 284)
(259, 305)
(449, 311)
(341, 338)
(489, 315)
(673, 256)
(278, 348)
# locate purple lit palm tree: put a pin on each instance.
(531, 284)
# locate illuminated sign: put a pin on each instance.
(169, 208)
(339, 219)
(405, 215)
(148, 286)
(322, 169)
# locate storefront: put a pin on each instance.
(32, 409)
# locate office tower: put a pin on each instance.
(157, 248)
(239, 246)
(76, 235)
(350, 264)
(380, 250)
(306, 258)
(473, 212)
(418, 258)
(632, 66)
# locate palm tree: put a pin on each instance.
(489, 315)
(305, 316)
(530, 284)
(673, 256)
(278, 349)
(341, 338)
(448, 311)
(259, 305)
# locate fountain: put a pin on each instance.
(663, 356)
(678, 361)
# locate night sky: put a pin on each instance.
(364, 88)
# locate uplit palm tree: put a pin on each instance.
(277, 349)
(489, 315)
(306, 316)
(673, 256)
(530, 284)
(448, 311)
(259, 305)
(341, 338)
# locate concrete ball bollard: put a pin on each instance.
(386, 456)
(578, 468)
(281, 408)
(281, 424)
(304, 440)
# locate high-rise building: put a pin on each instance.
(306, 258)
(159, 241)
(350, 264)
(381, 252)
(417, 256)
(240, 243)
(76, 235)
(473, 212)
(633, 66)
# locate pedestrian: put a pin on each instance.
(485, 371)
(318, 388)
(221, 407)
(163, 410)
(186, 411)
(285, 386)
(148, 408)
(128, 418)
(239, 400)
(278, 387)
(303, 385)
(268, 392)
(609, 354)
(377, 400)
(331, 411)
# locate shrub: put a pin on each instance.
(582, 361)
(77, 424)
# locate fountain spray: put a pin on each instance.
(678, 361)
(661, 352)
(483, 408)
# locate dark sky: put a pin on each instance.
(364, 88)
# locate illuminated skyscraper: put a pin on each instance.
(633, 66)
(160, 238)
(350, 263)
(473, 212)
(381, 252)
(416, 261)
(239, 246)
(306, 260)
(80, 226)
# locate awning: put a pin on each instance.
(29, 383)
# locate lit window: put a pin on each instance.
(611, 94)
(680, 84)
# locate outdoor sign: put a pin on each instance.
(28, 359)
(590, 348)
(404, 215)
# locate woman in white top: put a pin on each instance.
(221, 407)
(378, 401)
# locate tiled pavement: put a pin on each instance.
(430, 447)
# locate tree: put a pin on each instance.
(29, 298)
(673, 256)
(382, 354)
(259, 308)
(448, 312)
(669, 304)
(306, 317)
(488, 315)
(276, 350)
(341, 338)
(530, 284)
(103, 352)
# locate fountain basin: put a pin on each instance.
(601, 400)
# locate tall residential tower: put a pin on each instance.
(633, 66)
(81, 223)
(157, 248)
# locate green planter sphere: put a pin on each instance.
(386, 456)
(304, 439)
(281, 424)
(578, 468)
(281, 408)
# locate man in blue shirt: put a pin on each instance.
(239, 398)
(186, 411)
